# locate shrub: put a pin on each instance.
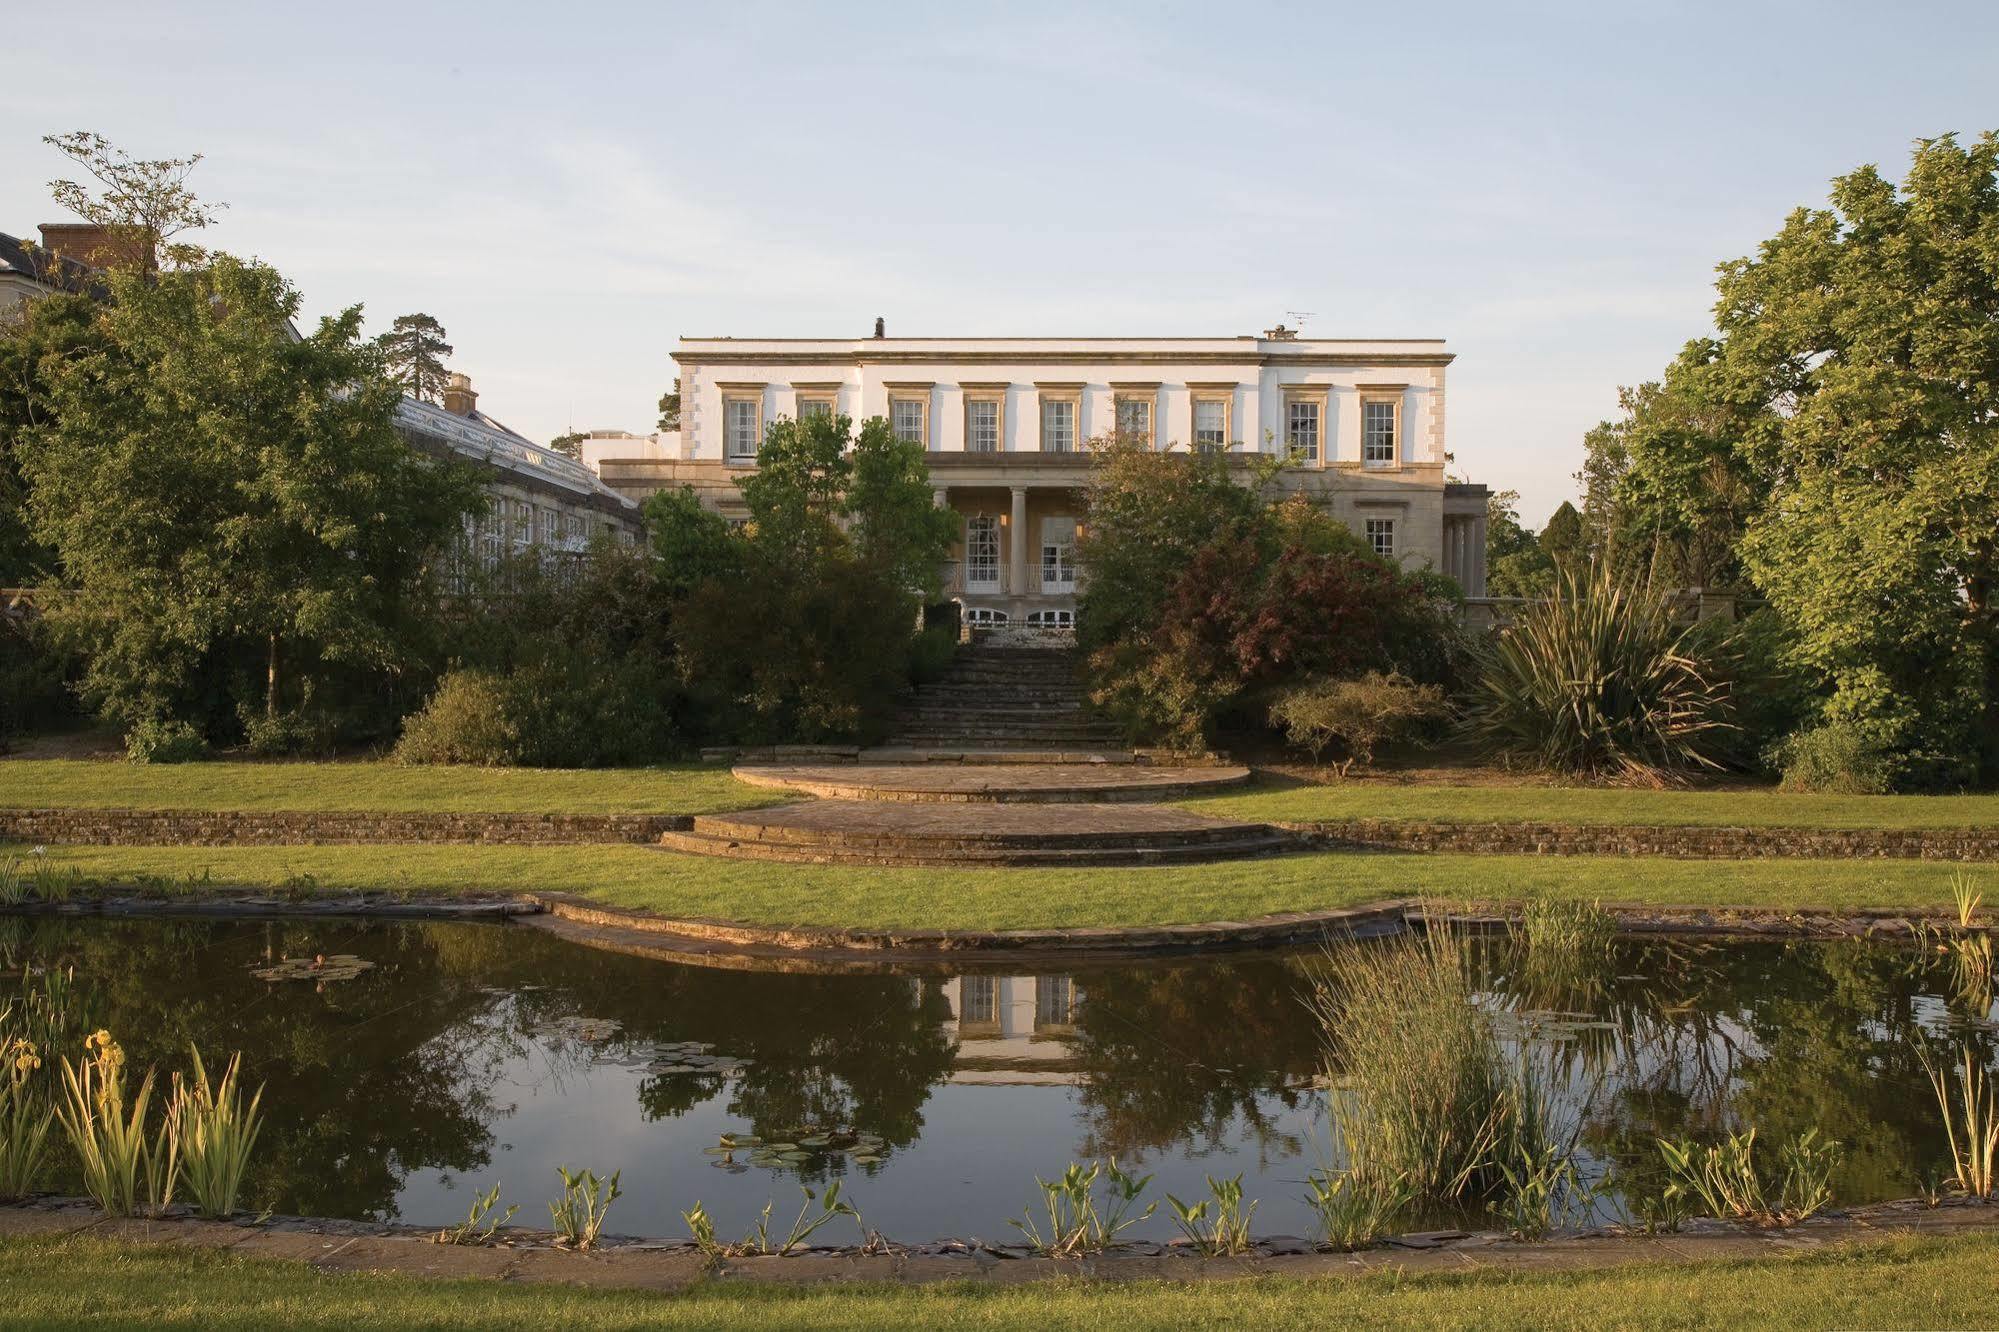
(34, 678)
(1834, 758)
(466, 721)
(157, 740)
(306, 731)
(1600, 681)
(931, 653)
(1360, 714)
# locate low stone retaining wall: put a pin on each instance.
(1684, 842)
(186, 827)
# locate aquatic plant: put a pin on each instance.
(25, 1116)
(1356, 1209)
(1541, 1191)
(216, 1130)
(110, 1139)
(1075, 1224)
(758, 1242)
(579, 1213)
(1970, 1110)
(1422, 1093)
(1566, 928)
(479, 1223)
(36, 879)
(1726, 1179)
(13, 883)
(1227, 1233)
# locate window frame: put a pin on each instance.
(1224, 396)
(997, 582)
(1051, 394)
(1393, 402)
(1067, 562)
(981, 395)
(1317, 397)
(1146, 394)
(1370, 534)
(738, 396)
(920, 399)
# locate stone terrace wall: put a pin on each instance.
(179, 827)
(1697, 843)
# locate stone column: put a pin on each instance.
(942, 496)
(1016, 549)
(1476, 586)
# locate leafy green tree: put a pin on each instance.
(669, 407)
(1859, 353)
(569, 443)
(237, 517)
(413, 350)
(897, 525)
(691, 543)
(1562, 539)
(45, 332)
(142, 203)
(1515, 563)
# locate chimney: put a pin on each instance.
(881, 327)
(95, 245)
(1281, 334)
(459, 399)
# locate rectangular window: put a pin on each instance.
(982, 553)
(1058, 554)
(1054, 1001)
(814, 405)
(1377, 433)
(1058, 425)
(742, 426)
(908, 417)
(1134, 417)
(1301, 428)
(1381, 536)
(978, 1001)
(523, 525)
(982, 425)
(1211, 424)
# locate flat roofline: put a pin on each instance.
(1122, 337)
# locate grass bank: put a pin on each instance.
(1909, 1283)
(1743, 808)
(373, 786)
(992, 898)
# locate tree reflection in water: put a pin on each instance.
(418, 1064)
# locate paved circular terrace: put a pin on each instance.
(874, 832)
(966, 783)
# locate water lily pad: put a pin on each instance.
(323, 967)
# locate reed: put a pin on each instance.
(215, 1130)
(1421, 1091)
(1970, 1109)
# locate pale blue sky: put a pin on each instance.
(569, 187)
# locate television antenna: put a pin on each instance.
(1298, 317)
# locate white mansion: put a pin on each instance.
(1006, 424)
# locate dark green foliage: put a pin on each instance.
(1516, 565)
(240, 526)
(153, 740)
(798, 625)
(413, 353)
(1600, 681)
(1205, 600)
(1834, 758)
(39, 337)
(468, 720)
(35, 679)
(930, 654)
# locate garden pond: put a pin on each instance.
(425, 1061)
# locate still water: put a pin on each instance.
(471, 1054)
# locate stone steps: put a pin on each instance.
(865, 832)
(995, 697)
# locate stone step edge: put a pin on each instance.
(1009, 857)
(724, 827)
(1054, 795)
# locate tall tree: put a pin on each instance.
(669, 407)
(143, 203)
(236, 515)
(1858, 360)
(1515, 563)
(414, 350)
(569, 443)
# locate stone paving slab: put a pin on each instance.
(886, 823)
(991, 782)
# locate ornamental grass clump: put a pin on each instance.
(1600, 681)
(1422, 1094)
(215, 1130)
(1970, 1108)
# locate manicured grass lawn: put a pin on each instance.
(1597, 805)
(99, 784)
(986, 898)
(1908, 1283)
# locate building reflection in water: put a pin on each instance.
(1013, 1030)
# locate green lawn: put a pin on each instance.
(102, 784)
(985, 898)
(67, 1283)
(1749, 807)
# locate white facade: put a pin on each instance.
(1006, 423)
